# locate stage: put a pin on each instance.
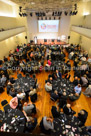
(51, 42)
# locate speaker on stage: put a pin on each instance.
(58, 40)
(52, 40)
(68, 37)
(31, 41)
(45, 40)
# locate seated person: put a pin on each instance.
(9, 86)
(82, 116)
(32, 91)
(54, 76)
(54, 95)
(88, 74)
(31, 124)
(46, 125)
(58, 74)
(68, 64)
(88, 91)
(78, 89)
(12, 80)
(84, 81)
(33, 94)
(12, 92)
(76, 94)
(67, 76)
(55, 112)
(50, 79)
(76, 81)
(88, 128)
(14, 103)
(21, 95)
(5, 59)
(48, 87)
(63, 100)
(67, 110)
(1, 89)
(29, 108)
(3, 80)
(48, 63)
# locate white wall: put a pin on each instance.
(75, 38)
(32, 22)
(86, 44)
(85, 21)
(11, 44)
(9, 18)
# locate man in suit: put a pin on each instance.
(58, 74)
(63, 100)
(82, 116)
(68, 110)
(76, 81)
(54, 95)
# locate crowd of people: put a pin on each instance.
(31, 56)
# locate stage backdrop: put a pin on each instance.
(48, 25)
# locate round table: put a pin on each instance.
(61, 84)
(13, 121)
(67, 126)
(24, 84)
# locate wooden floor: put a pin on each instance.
(44, 103)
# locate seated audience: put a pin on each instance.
(12, 80)
(54, 95)
(21, 95)
(3, 80)
(76, 81)
(84, 81)
(46, 125)
(14, 103)
(58, 74)
(63, 100)
(32, 91)
(12, 92)
(76, 94)
(31, 124)
(48, 87)
(50, 79)
(55, 112)
(82, 116)
(78, 89)
(88, 128)
(67, 110)
(9, 86)
(88, 91)
(29, 108)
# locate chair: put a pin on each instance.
(1, 89)
(33, 97)
(5, 105)
(54, 112)
(82, 118)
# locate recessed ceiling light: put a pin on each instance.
(32, 3)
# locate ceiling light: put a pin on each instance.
(85, 13)
(32, 3)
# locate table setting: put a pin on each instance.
(67, 126)
(13, 121)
